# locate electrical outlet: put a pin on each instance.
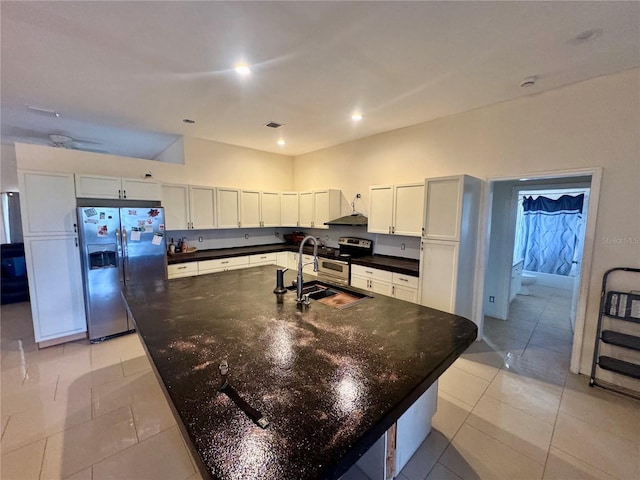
(402, 246)
(246, 236)
(492, 299)
(277, 234)
(201, 239)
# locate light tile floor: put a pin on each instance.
(508, 408)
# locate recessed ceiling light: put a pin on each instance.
(529, 82)
(587, 36)
(242, 69)
(281, 142)
(189, 121)
(356, 117)
(42, 110)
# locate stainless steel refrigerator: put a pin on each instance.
(118, 247)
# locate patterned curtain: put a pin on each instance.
(549, 234)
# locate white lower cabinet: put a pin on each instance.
(384, 462)
(307, 261)
(397, 285)
(55, 286)
(180, 270)
(282, 259)
(439, 264)
(405, 287)
(372, 279)
(262, 259)
(222, 264)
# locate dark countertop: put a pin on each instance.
(406, 266)
(331, 382)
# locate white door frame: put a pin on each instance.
(589, 242)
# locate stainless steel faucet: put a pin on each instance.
(299, 298)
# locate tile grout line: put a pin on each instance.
(44, 452)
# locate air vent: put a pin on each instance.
(273, 125)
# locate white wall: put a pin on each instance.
(8, 169)
(588, 124)
(206, 163)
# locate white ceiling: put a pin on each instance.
(123, 75)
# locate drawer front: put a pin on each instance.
(223, 263)
(359, 282)
(263, 259)
(405, 293)
(372, 273)
(405, 280)
(179, 270)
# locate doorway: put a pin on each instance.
(499, 276)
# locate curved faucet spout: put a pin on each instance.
(299, 298)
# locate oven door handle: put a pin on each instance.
(338, 262)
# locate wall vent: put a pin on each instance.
(273, 125)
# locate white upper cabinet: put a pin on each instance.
(228, 207)
(202, 206)
(188, 207)
(380, 209)
(175, 200)
(250, 209)
(396, 209)
(305, 214)
(48, 203)
(326, 207)
(443, 208)
(139, 189)
(318, 207)
(270, 209)
(99, 186)
(289, 209)
(259, 209)
(450, 203)
(408, 209)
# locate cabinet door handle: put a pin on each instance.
(181, 268)
(225, 262)
(238, 224)
(393, 290)
(393, 229)
(76, 241)
(369, 272)
(124, 193)
(75, 228)
(423, 231)
(119, 193)
(403, 279)
(389, 229)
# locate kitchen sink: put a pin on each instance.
(331, 295)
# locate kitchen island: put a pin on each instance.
(331, 382)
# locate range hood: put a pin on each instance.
(356, 219)
(353, 220)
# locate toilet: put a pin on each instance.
(527, 281)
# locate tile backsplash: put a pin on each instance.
(394, 245)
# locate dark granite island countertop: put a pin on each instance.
(331, 382)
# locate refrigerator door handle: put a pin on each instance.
(125, 244)
(119, 256)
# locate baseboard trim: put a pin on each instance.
(59, 340)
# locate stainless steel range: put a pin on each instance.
(338, 269)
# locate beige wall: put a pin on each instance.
(589, 124)
(206, 163)
(8, 172)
